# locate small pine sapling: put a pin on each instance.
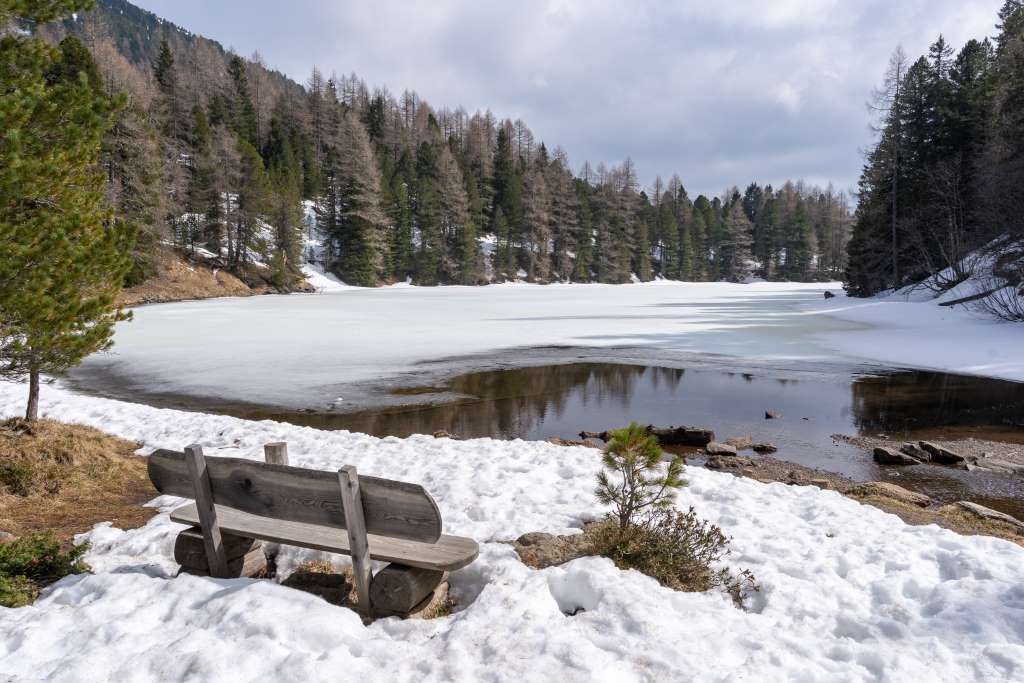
(640, 484)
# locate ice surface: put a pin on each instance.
(849, 593)
(296, 350)
(909, 328)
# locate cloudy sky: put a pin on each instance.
(721, 92)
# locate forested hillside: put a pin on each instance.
(216, 154)
(946, 176)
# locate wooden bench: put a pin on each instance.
(367, 518)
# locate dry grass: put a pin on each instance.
(65, 478)
(320, 578)
(177, 279)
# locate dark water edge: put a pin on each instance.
(561, 399)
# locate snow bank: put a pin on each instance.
(321, 280)
(850, 593)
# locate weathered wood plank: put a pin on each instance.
(199, 478)
(190, 548)
(358, 546)
(448, 553)
(295, 494)
(276, 453)
(399, 588)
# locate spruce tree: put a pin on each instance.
(499, 226)
(583, 263)
(734, 243)
(686, 254)
(163, 69)
(641, 266)
(63, 256)
(244, 113)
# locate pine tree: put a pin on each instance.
(686, 255)
(670, 246)
(470, 265)
(253, 193)
(459, 253)
(1004, 153)
(163, 69)
(584, 261)
(641, 252)
(401, 263)
(244, 113)
(430, 256)
(734, 243)
(565, 219)
(499, 226)
(699, 236)
(63, 256)
(799, 244)
(537, 221)
(361, 222)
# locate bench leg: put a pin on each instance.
(215, 554)
(276, 453)
(355, 524)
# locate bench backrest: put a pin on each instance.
(390, 508)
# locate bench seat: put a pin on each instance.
(447, 554)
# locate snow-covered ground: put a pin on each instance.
(849, 593)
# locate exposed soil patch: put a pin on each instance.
(181, 278)
(65, 478)
(178, 279)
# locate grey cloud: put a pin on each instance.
(722, 93)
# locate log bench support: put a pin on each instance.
(358, 544)
(215, 555)
(239, 503)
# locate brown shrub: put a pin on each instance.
(678, 549)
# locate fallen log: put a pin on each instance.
(667, 436)
(972, 297)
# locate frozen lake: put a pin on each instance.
(335, 350)
(535, 362)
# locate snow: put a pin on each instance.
(849, 592)
(919, 334)
(319, 344)
(321, 280)
(909, 328)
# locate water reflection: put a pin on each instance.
(939, 405)
(562, 400)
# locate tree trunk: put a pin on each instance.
(32, 411)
